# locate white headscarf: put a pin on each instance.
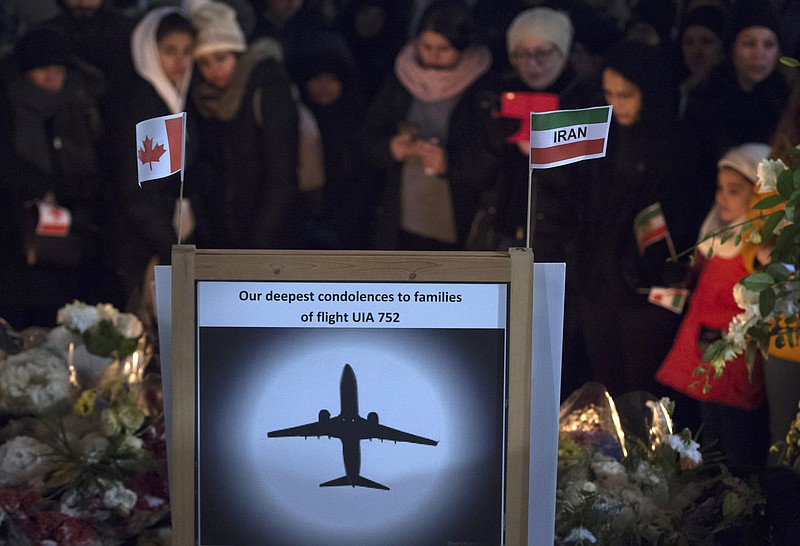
(147, 64)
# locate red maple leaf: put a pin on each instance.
(148, 154)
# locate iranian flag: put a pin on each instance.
(160, 144)
(669, 298)
(650, 226)
(566, 136)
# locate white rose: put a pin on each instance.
(129, 325)
(77, 316)
(767, 173)
(22, 459)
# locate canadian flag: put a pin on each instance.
(160, 146)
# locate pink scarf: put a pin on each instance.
(433, 84)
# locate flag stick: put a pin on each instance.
(671, 246)
(528, 224)
(180, 193)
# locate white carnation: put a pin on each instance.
(118, 497)
(78, 316)
(33, 381)
(767, 173)
(129, 325)
(22, 459)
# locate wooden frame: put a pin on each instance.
(190, 265)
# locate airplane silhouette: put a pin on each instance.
(350, 428)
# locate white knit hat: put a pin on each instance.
(546, 23)
(744, 159)
(217, 29)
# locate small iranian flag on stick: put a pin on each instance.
(669, 298)
(566, 136)
(160, 146)
(650, 226)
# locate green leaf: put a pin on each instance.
(770, 224)
(778, 271)
(790, 61)
(766, 302)
(785, 184)
(769, 202)
(750, 360)
(758, 281)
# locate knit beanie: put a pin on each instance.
(744, 159)
(217, 29)
(753, 13)
(42, 46)
(546, 23)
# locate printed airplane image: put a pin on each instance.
(350, 428)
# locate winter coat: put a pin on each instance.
(711, 309)
(472, 160)
(254, 160)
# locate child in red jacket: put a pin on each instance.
(732, 410)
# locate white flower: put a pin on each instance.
(22, 459)
(687, 449)
(106, 311)
(767, 173)
(118, 497)
(33, 381)
(580, 534)
(78, 316)
(646, 474)
(746, 299)
(129, 325)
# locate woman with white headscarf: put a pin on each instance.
(145, 219)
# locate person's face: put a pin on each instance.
(217, 67)
(733, 194)
(436, 51)
(537, 62)
(702, 50)
(83, 8)
(49, 78)
(175, 55)
(624, 95)
(283, 9)
(324, 89)
(755, 55)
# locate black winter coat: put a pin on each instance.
(471, 154)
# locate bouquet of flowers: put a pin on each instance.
(616, 487)
(104, 330)
(80, 467)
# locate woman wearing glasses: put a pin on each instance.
(539, 42)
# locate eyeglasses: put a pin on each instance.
(541, 56)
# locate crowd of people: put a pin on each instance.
(381, 124)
